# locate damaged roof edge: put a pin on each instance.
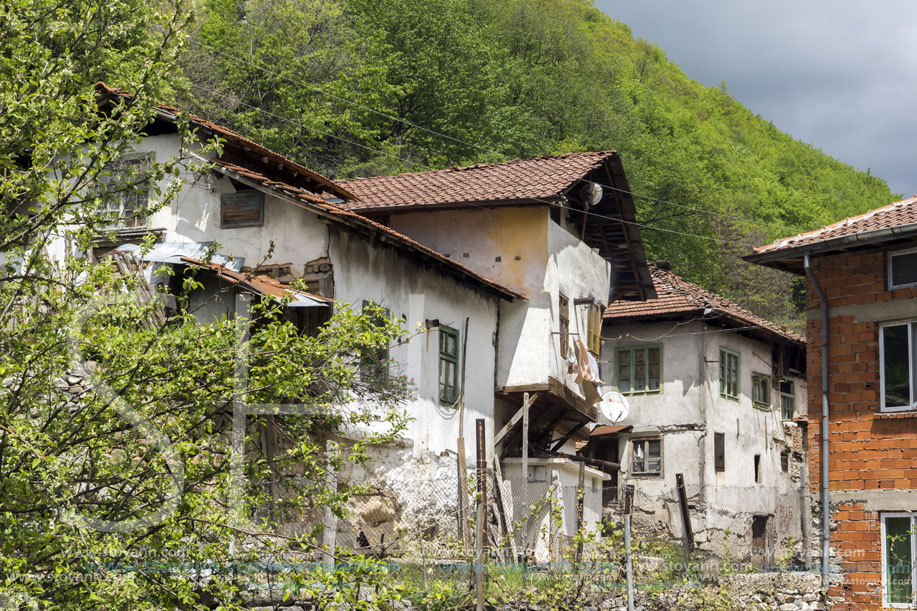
(170, 115)
(629, 210)
(353, 220)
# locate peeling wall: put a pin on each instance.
(374, 272)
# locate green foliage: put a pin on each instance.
(383, 86)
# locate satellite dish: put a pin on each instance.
(614, 407)
(591, 194)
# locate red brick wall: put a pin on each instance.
(868, 450)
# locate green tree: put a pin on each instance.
(115, 422)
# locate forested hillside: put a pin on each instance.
(364, 87)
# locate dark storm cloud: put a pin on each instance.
(837, 74)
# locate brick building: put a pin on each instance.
(861, 277)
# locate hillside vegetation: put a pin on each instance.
(364, 87)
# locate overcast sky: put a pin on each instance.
(838, 74)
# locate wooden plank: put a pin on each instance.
(525, 436)
(512, 421)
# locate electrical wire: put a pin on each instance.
(491, 151)
(471, 205)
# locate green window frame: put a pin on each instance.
(449, 389)
(761, 390)
(374, 367)
(788, 399)
(729, 374)
(638, 370)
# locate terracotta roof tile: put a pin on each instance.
(526, 179)
(678, 296)
(336, 211)
(893, 215)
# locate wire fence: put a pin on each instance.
(549, 523)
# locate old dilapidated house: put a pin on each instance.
(719, 395)
(506, 268)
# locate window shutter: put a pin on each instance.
(243, 209)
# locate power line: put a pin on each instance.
(481, 206)
(390, 117)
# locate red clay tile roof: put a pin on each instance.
(677, 296)
(521, 179)
(348, 217)
(320, 205)
(260, 283)
(897, 214)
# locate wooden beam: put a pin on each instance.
(525, 436)
(523, 411)
(569, 434)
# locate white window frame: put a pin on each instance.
(120, 222)
(884, 552)
(892, 255)
(910, 366)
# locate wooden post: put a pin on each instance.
(329, 534)
(481, 522)
(685, 516)
(629, 565)
(525, 437)
(580, 501)
(462, 493)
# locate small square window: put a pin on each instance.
(647, 456)
(242, 209)
(902, 269)
(638, 371)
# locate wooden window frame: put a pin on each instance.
(719, 466)
(725, 353)
(633, 456)
(444, 356)
(121, 196)
(563, 323)
(883, 516)
(594, 334)
(228, 197)
(765, 381)
(784, 396)
(375, 367)
(630, 350)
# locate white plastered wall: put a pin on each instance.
(411, 291)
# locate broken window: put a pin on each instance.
(897, 360)
(898, 545)
(242, 209)
(125, 187)
(785, 461)
(563, 315)
(761, 390)
(596, 310)
(902, 269)
(788, 399)
(374, 366)
(719, 452)
(639, 370)
(757, 468)
(729, 374)
(448, 365)
(647, 456)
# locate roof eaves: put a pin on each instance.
(344, 216)
(863, 238)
